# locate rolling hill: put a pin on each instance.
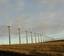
(51, 48)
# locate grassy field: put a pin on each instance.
(51, 48)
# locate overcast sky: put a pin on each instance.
(39, 15)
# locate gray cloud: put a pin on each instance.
(51, 20)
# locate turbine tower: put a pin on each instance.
(38, 37)
(9, 35)
(31, 37)
(35, 37)
(41, 37)
(26, 37)
(19, 35)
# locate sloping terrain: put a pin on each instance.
(51, 48)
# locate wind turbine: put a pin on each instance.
(26, 37)
(41, 37)
(9, 35)
(19, 35)
(38, 37)
(35, 37)
(31, 37)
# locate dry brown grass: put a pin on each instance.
(54, 48)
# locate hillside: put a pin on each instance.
(51, 48)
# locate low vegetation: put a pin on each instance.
(52, 48)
